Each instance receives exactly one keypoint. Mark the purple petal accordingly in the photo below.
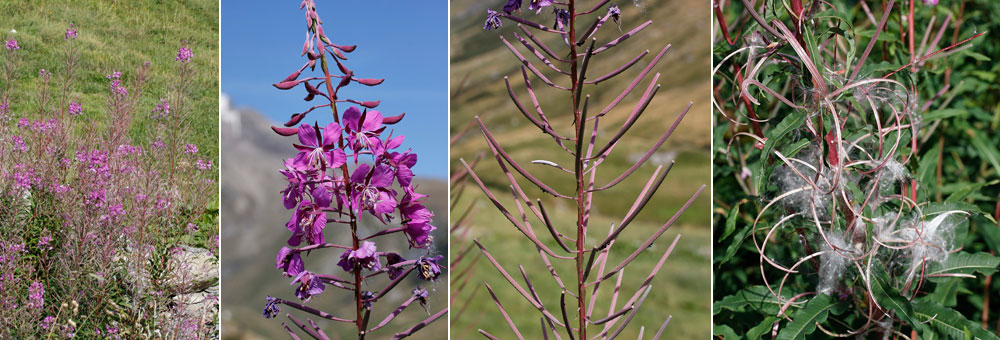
(307, 135)
(337, 158)
(404, 175)
(366, 250)
(282, 259)
(351, 117)
(322, 196)
(386, 203)
(373, 121)
(301, 161)
(344, 262)
(407, 159)
(316, 236)
(360, 173)
(382, 176)
(395, 142)
(330, 134)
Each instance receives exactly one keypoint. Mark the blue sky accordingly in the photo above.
(404, 42)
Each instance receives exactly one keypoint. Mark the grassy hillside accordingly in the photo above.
(120, 36)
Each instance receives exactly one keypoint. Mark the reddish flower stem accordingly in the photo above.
(722, 22)
(355, 242)
(581, 190)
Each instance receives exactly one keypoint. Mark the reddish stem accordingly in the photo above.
(909, 23)
(746, 103)
(358, 300)
(581, 191)
(722, 22)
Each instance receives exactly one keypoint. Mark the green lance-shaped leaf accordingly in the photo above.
(755, 298)
(948, 322)
(987, 150)
(966, 263)
(888, 297)
(791, 122)
(804, 320)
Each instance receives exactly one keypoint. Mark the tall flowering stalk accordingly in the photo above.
(588, 252)
(343, 171)
(822, 142)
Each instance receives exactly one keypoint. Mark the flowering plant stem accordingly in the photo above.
(587, 260)
(323, 189)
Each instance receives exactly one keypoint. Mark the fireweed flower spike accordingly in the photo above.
(70, 32)
(577, 136)
(11, 45)
(184, 55)
(324, 192)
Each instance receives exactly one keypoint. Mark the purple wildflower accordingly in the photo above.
(47, 322)
(203, 164)
(428, 267)
(309, 219)
(290, 262)
(364, 257)
(111, 329)
(537, 5)
(68, 331)
(190, 148)
(271, 308)
(45, 242)
(562, 17)
(70, 32)
(309, 285)
(512, 6)
(421, 295)
(162, 110)
(492, 20)
(417, 219)
(296, 184)
(116, 84)
(616, 14)
(363, 129)
(36, 296)
(184, 55)
(74, 109)
(376, 196)
(930, 2)
(12, 45)
(319, 150)
(403, 162)
(19, 144)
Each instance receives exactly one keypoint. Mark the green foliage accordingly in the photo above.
(955, 163)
